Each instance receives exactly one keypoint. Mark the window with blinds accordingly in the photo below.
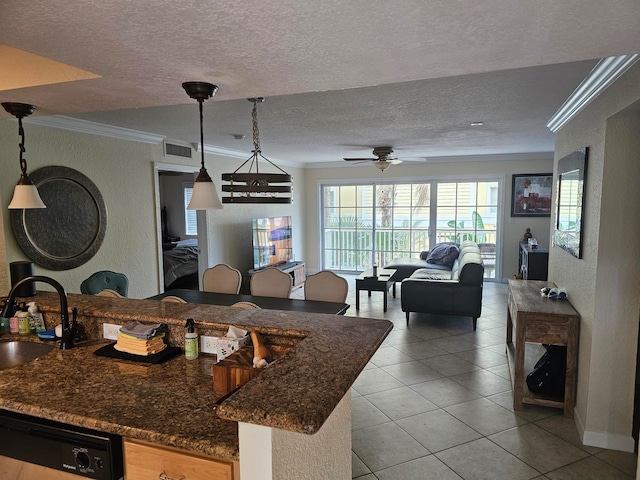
(190, 220)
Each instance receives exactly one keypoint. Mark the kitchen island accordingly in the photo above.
(170, 404)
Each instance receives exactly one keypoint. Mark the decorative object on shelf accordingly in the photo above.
(531, 195)
(71, 229)
(26, 193)
(572, 171)
(527, 235)
(204, 195)
(256, 187)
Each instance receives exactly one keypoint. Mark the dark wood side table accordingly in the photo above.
(537, 319)
(534, 262)
(381, 283)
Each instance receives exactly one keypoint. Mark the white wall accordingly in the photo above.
(271, 454)
(473, 168)
(123, 172)
(603, 286)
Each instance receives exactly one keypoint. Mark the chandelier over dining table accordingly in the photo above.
(255, 186)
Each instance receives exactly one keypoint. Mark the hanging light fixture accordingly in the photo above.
(256, 187)
(25, 194)
(204, 196)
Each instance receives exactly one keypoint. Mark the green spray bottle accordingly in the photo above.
(190, 340)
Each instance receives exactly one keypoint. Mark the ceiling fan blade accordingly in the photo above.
(414, 159)
(359, 159)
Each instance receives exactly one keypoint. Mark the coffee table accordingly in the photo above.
(381, 283)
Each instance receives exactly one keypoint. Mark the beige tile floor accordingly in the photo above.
(435, 401)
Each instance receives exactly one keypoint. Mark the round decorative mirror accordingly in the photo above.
(71, 229)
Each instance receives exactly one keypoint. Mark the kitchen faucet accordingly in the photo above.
(69, 329)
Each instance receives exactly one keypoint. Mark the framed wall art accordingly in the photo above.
(71, 229)
(531, 195)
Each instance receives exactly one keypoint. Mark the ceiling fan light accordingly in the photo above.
(382, 165)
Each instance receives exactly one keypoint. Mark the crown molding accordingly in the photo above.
(93, 128)
(599, 79)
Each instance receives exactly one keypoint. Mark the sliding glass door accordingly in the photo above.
(373, 223)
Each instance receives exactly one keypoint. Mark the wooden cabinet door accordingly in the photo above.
(148, 462)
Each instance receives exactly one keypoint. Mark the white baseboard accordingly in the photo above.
(610, 441)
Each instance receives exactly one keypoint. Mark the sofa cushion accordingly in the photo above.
(443, 254)
(432, 274)
(404, 267)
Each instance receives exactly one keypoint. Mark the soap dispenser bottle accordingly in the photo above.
(190, 340)
(24, 322)
(38, 320)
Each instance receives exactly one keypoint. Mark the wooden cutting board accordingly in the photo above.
(237, 369)
(234, 371)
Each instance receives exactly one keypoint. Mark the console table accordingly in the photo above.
(295, 269)
(537, 319)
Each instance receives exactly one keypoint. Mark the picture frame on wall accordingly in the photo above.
(531, 195)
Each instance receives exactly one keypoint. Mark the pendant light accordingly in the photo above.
(256, 187)
(204, 196)
(25, 194)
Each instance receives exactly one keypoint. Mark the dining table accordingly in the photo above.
(268, 303)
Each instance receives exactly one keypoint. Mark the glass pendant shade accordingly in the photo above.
(204, 196)
(382, 165)
(25, 195)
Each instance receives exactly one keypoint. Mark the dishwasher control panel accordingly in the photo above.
(76, 450)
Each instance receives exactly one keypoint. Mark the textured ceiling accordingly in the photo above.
(340, 77)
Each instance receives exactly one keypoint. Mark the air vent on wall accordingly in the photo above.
(177, 150)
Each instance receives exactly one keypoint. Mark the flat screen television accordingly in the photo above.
(272, 243)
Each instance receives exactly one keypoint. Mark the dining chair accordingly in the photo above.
(107, 292)
(326, 286)
(245, 305)
(222, 279)
(173, 299)
(271, 282)
(105, 280)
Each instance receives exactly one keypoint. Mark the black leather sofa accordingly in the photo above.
(455, 291)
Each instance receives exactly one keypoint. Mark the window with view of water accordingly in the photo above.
(370, 224)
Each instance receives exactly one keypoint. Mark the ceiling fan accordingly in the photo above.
(383, 160)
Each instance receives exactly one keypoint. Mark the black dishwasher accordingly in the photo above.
(76, 450)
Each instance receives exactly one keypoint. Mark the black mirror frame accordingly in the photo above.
(571, 241)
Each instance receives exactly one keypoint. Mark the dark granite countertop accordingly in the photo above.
(171, 403)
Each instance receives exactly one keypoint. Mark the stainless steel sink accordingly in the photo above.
(16, 353)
